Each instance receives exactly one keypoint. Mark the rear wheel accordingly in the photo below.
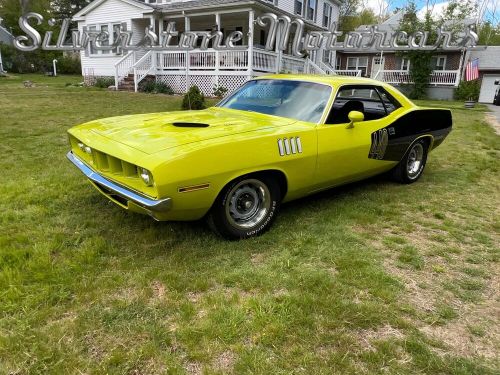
(411, 167)
(245, 208)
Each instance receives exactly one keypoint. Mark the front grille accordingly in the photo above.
(110, 164)
(106, 163)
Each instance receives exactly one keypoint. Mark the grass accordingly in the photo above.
(370, 278)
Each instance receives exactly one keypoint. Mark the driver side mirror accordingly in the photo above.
(497, 82)
(355, 116)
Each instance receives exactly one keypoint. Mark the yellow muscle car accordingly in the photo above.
(275, 139)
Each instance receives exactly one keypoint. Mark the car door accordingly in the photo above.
(345, 151)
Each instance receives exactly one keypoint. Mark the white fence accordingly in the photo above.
(437, 78)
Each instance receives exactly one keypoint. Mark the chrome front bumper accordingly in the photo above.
(152, 206)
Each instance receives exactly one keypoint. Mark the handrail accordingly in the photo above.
(326, 68)
(142, 68)
(312, 68)
(123, 67)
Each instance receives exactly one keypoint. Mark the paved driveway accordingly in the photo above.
(493, 117)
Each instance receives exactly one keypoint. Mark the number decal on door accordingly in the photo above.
(380, 140)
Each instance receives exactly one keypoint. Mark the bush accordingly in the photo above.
(220, 91)
(104, 82)
(468, 90)
(150, 86)
(69, 65)
(194, 99)
(147, 85)
(38, 61)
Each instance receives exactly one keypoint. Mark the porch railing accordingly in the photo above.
(312, 68)
(292, 64)
(142, 68)
(124, 67)
(437, 78)
(351, 73)
(265, 61)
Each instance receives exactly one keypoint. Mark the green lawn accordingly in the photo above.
(370, 278)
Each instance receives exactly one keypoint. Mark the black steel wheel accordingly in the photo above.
(245, 208)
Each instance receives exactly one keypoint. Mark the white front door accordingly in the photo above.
(377, 66)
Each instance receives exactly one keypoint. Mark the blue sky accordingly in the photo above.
(491, 11)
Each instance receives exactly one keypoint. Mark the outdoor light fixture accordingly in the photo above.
(146, 176)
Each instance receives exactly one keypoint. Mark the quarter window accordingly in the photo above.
(374, 102)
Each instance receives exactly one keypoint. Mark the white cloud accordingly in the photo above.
(436, 9)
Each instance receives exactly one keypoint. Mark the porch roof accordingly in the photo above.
(96, 3)
(210, 5)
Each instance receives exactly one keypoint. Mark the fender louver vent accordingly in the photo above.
(190, 125)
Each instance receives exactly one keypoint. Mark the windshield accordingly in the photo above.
(304, 101)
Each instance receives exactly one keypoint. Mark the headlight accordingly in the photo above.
(146, 176)
(88, 150)
(81, 146)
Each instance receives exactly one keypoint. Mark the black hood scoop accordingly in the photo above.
(190, 125)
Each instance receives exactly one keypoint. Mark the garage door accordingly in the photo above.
(488, 88)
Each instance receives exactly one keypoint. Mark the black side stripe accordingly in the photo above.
(392, 142)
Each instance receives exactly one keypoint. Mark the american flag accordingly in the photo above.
(472, 70)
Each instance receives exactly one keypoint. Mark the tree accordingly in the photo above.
(420, 61)
(489, 35)
(67, 8)
(11, 10)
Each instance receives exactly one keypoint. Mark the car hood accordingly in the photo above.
(154, 132)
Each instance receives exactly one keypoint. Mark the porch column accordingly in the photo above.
(279, 53)
(217, 54)
(187, 27)
(251, 16)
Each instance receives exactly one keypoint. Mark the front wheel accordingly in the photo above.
(245, 208)
(411, 167)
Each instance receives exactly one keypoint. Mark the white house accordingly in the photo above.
(204, 68)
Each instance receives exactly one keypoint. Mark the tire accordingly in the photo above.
(245, 208)
(411, 167)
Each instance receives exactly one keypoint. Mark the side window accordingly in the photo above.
(362, 98)
(390, 103)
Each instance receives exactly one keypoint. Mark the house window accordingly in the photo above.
(299, 6)
(438, 62)
(327, 14)
(113, 30)
(358, 63)
(311, 10)
(405, 64)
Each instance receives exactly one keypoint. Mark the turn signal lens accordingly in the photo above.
(146, 176)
